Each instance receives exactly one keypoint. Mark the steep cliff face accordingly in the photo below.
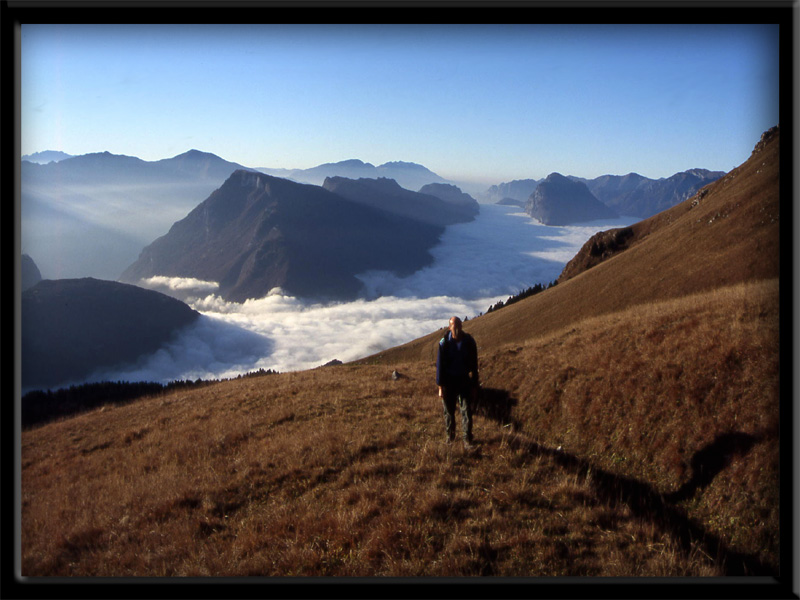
(258, 232)
(560, 201)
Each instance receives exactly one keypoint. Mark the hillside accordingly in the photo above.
(728, 233)
(257, 232)
(628, 426)
(575, 454)
(73, 327)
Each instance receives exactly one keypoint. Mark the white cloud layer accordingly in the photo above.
(476, 264)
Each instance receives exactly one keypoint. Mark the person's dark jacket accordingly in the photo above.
(454, 365)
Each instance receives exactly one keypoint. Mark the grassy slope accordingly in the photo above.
(621, 433)
(726, 234)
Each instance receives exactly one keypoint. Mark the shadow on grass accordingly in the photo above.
(645, 502)
(496, 405)
(710, 460)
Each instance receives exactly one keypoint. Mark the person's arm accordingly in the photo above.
(474, 361)
(439, 368)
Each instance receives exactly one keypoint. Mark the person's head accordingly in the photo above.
(455, 327)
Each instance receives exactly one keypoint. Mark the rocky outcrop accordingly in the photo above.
(559, 200)
(598, 248)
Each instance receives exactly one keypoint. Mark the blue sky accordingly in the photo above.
(471, 102)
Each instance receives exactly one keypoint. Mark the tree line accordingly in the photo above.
(43, 406)
(526, 293)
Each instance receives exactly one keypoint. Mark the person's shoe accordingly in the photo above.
(469, 445)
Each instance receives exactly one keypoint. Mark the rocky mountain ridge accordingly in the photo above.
(409, 175)
(258, 232)
(628, 195)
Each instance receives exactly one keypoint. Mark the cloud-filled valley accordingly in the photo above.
(476, 264)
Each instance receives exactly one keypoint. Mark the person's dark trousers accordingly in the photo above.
(459, 394)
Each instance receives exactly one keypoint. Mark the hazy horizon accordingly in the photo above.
(485, 103)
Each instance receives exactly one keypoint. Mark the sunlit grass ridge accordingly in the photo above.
(617, 438)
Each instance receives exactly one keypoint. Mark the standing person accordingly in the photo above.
(457, 378)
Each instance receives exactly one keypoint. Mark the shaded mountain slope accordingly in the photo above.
(257, 232)
(519, 189)
(386, 194)
(452, 195)
(71, 327)
(91, 215)
(728, 233)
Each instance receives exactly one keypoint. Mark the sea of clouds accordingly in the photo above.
(476, 264)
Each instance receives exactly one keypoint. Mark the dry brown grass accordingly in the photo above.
(628, 427)
(343, 471)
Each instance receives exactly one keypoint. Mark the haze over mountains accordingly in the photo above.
(91, 215)
(632, 194)
(409, 175)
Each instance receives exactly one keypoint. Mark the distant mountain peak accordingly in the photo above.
(46, 156)
(399, 164)
(351, 162)
(194, 153)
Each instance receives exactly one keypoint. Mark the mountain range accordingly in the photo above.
(46, 156)
(409, 175)
(258, 232)
(630, 195)
(446, 208)
(91, 215)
